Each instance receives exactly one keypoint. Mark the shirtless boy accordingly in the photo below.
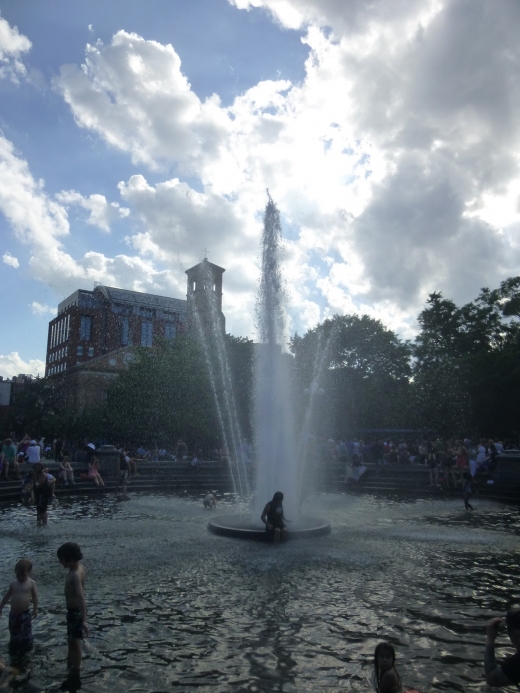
(69, 555)
(21, 592)
(507, 672)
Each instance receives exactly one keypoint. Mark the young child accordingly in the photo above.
(69, 555)
(210, 502)
(466, 489)
(43, 493)
(21, 592)
(386, 678)
(26, 494)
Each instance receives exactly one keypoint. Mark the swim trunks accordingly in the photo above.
(75, 624)
(20, 629)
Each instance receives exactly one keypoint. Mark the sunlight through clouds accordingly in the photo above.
(392, 160)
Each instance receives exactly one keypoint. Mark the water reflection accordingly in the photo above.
(171, 606)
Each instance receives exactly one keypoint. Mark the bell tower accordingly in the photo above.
(204, 293)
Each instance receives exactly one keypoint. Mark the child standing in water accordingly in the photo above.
(21, 592)
(466, 489)
(69, 555)
(386, 678)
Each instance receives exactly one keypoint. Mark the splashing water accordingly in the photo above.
(277, 467)
(207, 321)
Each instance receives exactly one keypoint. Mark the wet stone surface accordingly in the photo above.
(174, 607)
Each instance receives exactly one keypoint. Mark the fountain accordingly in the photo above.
(170, 608)
(278, 463)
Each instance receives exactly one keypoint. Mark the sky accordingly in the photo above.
(136, 137)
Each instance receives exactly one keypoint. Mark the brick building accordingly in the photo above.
(90, 324)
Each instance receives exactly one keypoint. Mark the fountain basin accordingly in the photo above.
(243, 527)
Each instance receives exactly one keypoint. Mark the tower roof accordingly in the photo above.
(140, 298)
(205, 263)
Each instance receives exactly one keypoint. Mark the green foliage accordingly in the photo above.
(466, 371)
(364, 369)
(165, 393)
(460, 376)
(240, 357)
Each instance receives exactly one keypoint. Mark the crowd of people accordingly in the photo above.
(449, 461)
(25, 462)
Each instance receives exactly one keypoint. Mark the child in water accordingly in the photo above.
(386, 678)
(69, 555)
(21, 593)
(466, 489)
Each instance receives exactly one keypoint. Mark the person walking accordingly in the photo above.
(466, 489)
(9, 453)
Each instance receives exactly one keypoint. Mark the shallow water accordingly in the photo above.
(173, 607)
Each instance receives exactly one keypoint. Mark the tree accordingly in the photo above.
(165, 393)
(466, 363)
(364, 368)
(240, 357)
(440, 384)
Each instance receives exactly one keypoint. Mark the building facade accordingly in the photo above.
(90, 324)
(93, 336)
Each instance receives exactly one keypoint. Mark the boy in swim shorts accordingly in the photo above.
(69, 555)
(21, 592)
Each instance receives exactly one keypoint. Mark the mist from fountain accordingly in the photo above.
(276, 450)
(278, 456)
(211, 337)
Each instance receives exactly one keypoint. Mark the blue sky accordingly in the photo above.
(133, 134)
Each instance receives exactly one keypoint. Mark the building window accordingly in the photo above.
(169, 330)
(146, 334)
(79, 351)
(91, 352)
(84, 328)
(124, 331)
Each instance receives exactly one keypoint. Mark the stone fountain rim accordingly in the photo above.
(233, 526)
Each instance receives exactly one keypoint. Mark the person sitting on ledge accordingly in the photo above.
(65, 472)
(272, 517)
(508, 672)
(93, 472)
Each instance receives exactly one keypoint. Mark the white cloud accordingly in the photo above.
(12, 45)
(10, 260)
(394, 162)
(42, 223)
(41, 309)
(12, 364)
(133, 93)
(101, 213)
